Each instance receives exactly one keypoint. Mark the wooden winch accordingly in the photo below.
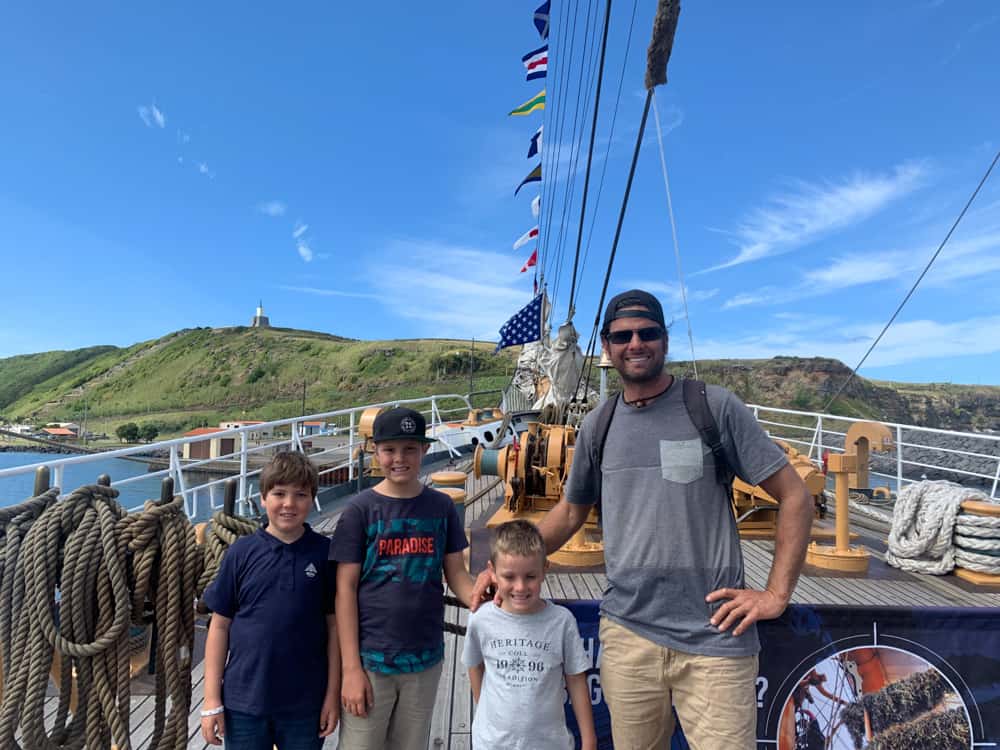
(757, 511)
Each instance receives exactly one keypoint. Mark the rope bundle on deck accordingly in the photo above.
(166, 564)
(76, 573)
(931, 534)
(220, 534)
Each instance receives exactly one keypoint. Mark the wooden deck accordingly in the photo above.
(452, 720)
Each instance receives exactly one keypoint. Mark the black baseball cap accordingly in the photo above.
(619, 304)
(400, 424)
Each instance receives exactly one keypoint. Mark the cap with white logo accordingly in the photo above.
(400, 424)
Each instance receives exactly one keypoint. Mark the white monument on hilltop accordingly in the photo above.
(260, 320)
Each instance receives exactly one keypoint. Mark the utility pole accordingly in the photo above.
(472, 362)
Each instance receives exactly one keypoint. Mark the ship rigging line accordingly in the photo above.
(916, 283)
(590, 157)
(564, 65)
(611, 137)
(587, 66)
(618, 232)
(673, 229)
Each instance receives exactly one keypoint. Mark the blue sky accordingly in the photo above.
(167, 166)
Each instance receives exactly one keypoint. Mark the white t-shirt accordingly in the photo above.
(521, 702)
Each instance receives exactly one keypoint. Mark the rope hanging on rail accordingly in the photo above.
(76, 573)
(220, 533)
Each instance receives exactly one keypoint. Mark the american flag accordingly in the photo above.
(525, 326)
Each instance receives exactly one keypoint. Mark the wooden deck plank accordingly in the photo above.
(441, 719)
(461, 694)
(142, 719)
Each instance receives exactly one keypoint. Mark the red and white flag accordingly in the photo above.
(531, 261)
(536, 63)
(527, 237)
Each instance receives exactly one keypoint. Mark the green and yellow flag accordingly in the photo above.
(535, 102)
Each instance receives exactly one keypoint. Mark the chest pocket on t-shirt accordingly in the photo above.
(681, 461)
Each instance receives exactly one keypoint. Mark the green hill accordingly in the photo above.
(18, 375)
(202, 375)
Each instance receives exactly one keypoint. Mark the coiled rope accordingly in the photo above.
(76, 573)
(931, 534)
(166, 564)
(220, 533)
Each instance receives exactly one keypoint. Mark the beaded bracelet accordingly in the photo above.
(213, 711)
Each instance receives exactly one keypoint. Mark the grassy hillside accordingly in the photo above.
(19, 375)
(202, 375)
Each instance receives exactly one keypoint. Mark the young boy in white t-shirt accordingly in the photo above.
(519, 652)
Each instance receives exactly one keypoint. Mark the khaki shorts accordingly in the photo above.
(714, 696)
(400, 717)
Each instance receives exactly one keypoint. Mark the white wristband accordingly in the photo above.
(213, 711)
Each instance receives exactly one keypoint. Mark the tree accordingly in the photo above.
(128, 432)
(148, 433)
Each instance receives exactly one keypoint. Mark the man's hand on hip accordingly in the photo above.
(745, 607)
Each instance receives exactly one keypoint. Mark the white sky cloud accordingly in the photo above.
(464, 292)
(305, 251)
(272, 208)
(974, 256)
(812, 210)
(327, 292)
(904, 343)
(669, 294)
(300, 229)
(152, 116)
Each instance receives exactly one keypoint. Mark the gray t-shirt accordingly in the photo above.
(521, 702)
(669, 533)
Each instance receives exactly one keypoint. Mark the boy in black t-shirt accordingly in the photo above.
(272, 664)
(391, 544)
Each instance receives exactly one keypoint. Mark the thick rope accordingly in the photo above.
(923, 536)
(71, 555)
(167, 563)
(220, 534)
(83, 571)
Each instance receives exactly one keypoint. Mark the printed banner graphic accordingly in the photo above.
(851, 678)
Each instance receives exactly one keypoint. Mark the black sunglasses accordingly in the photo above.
(652, 333)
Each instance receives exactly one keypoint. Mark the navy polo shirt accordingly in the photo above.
(277, 596)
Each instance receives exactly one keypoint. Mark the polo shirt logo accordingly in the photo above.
(311, 570)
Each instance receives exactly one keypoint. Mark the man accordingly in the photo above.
(677, 624)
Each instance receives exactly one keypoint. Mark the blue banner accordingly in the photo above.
(846, 678)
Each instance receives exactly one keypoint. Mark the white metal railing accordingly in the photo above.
(189, 475)
(978, 462)
(964, 457)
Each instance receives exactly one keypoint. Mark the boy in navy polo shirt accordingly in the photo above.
(391, 544)
(272, 605)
